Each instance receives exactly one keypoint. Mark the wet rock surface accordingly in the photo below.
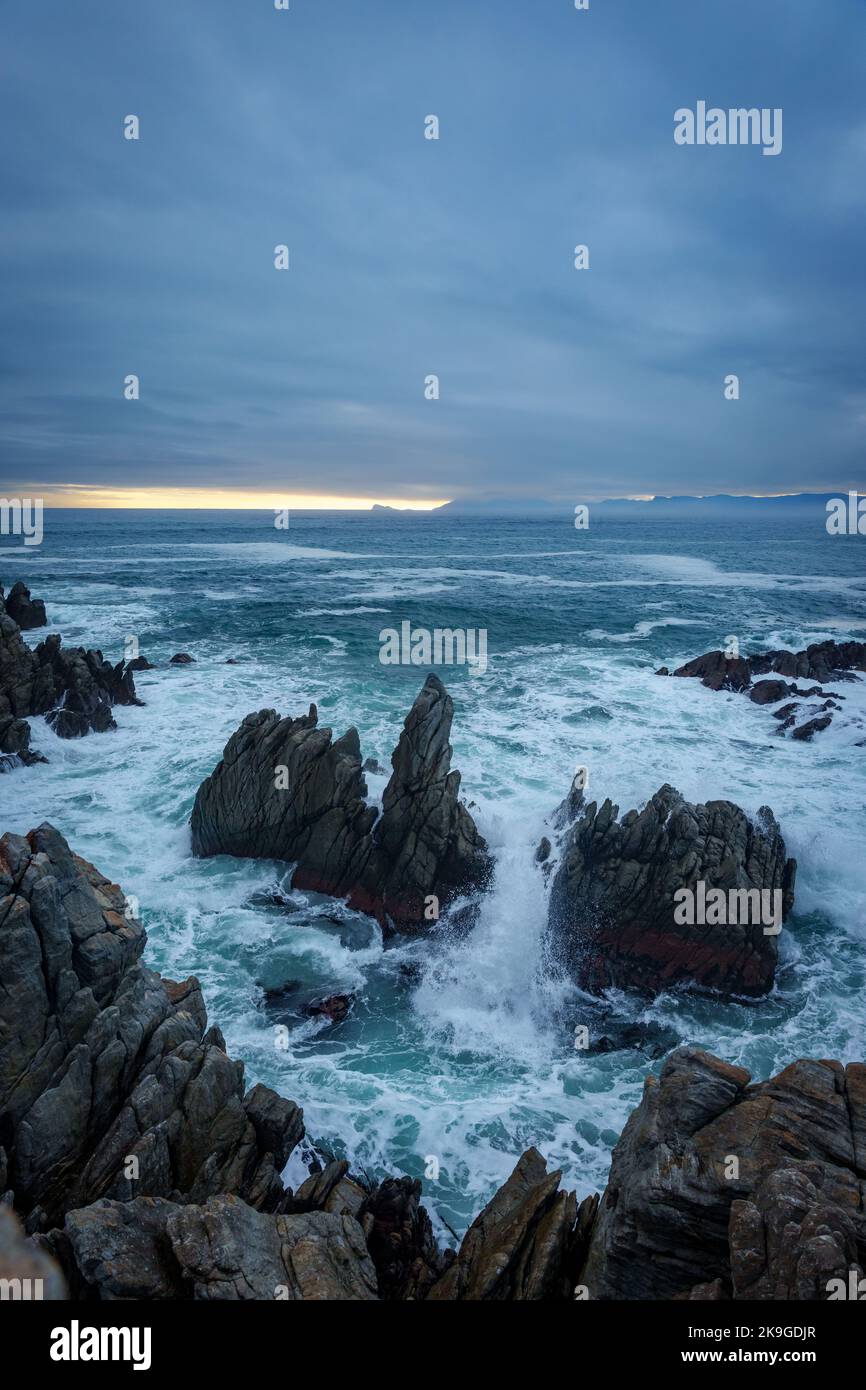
(612, 905)
(15, 750)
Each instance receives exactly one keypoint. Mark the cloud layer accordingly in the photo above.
(411, 257)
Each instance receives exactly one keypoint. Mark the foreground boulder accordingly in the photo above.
(286, 790)
(614, 917)
(110, 1085)
(719, 1188)
(27, 612)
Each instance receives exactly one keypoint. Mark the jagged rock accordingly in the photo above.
(425, 840)
(678, 1212)
(821, 662)
(27, 1272)
(221, 1250)
(181, 659)
(525, 1245)
(572, 805)
(140, 663)
(27, 612)
(400, 1240)
(285, 790)
(804, 732)
(75, 689)
(612, 907)
(103, 1062)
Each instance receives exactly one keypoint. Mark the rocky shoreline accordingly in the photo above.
(138, 1166)
(135, 1163)
(73, 688)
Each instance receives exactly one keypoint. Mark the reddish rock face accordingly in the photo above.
(613, 907)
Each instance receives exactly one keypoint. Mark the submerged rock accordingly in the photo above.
(821, 662)
(335, 1007)
(652, 1039)
(286, 790)
(612, 917)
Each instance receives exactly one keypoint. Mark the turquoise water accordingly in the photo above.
(458, 1047)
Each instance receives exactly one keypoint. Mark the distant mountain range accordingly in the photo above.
(723, 506)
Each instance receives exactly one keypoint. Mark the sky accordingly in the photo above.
(411, 257)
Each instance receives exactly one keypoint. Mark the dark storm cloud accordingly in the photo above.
(412, 257)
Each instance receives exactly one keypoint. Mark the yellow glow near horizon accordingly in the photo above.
(216, 499)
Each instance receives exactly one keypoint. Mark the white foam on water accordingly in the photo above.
(453, 1048)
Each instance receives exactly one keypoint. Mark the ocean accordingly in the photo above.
(459, 1047)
